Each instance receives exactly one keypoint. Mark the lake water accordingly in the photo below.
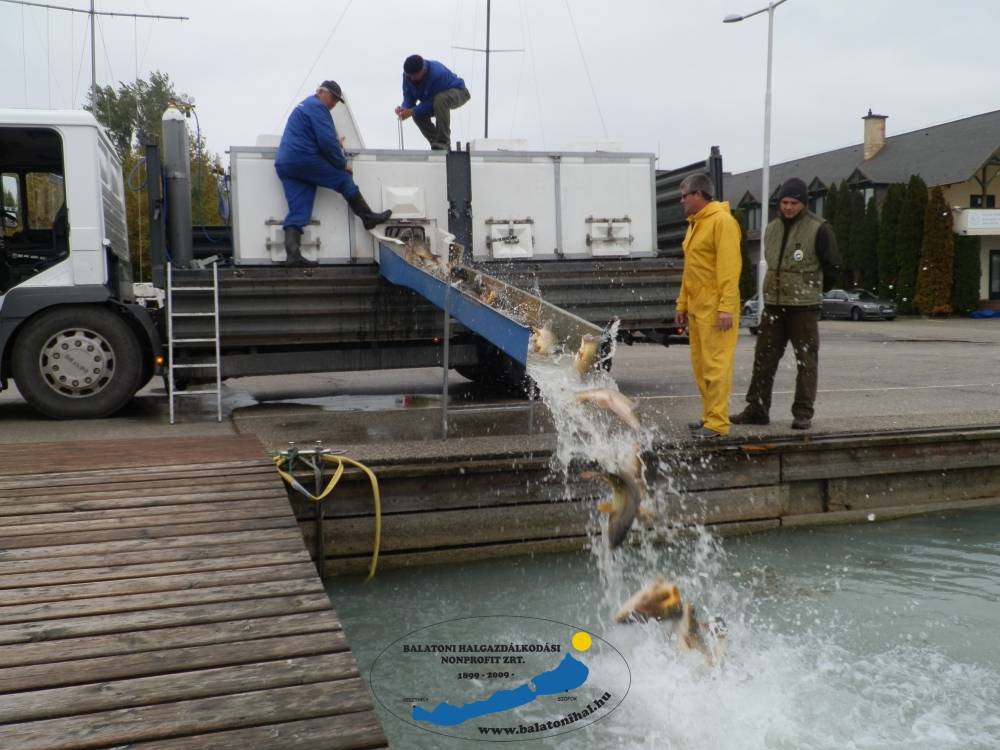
(877, 636)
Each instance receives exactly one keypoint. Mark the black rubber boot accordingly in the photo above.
(363, 211)
(293, 248)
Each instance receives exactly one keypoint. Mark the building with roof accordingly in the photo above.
(962, 157)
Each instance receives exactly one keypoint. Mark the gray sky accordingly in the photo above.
(669, 76)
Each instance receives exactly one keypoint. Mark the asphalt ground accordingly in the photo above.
(874, 376)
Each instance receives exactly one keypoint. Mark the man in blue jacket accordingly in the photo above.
(430, 88)
(310, 156)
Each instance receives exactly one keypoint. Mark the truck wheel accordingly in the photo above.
(77, 363)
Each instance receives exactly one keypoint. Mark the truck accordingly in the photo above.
(577, 227)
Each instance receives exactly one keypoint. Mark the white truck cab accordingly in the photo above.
(70, 334)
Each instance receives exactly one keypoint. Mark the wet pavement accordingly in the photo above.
(874, 376)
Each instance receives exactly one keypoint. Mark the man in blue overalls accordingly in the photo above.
(429, 88)
(310, 156)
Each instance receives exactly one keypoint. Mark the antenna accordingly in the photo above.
(488, 51)
(93, 14)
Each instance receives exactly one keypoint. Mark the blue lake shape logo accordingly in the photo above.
(569, 675)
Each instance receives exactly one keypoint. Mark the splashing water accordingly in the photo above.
(874, 636)
(588, 436)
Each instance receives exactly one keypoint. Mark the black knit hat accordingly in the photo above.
(413, 65)
(334, 88)
(794, 188)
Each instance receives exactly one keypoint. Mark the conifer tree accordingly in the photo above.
(869, 247)
(841, 224)
(888, 270)
(909, 236)
(830, 210)
(965, 291)
(937, 258)
(855, 274)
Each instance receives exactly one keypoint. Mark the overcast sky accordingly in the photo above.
(661, 76)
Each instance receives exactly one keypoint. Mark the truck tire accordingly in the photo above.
(98, 377)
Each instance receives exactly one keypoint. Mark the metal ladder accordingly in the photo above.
(171, 341)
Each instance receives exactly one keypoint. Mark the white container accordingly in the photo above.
(525, 205)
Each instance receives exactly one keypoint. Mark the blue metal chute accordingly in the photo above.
(505, 333)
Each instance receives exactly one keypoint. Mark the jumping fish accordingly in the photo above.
(614, 401)
(688, 632)
(586, 355)
(657, 600)
(542, 340)
(660, 600)
(627, 491)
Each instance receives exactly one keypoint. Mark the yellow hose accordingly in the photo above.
(280, 461)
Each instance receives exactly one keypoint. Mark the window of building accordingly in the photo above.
(817, 202)
(976, 201)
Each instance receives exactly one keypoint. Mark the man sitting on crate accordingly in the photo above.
(310, 156)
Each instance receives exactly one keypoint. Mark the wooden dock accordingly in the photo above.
(158, 594)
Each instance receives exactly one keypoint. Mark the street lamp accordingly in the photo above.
(766, 166)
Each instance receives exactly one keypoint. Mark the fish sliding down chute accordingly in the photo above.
(501, 313)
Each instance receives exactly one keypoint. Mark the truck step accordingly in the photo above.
(192, 315)
(205, 365)
(194, 341)
(210, 391)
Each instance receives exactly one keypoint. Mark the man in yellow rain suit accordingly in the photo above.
(709, 300)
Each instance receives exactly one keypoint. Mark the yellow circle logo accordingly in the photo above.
(581, 641)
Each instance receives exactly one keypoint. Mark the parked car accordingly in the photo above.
(857, 304)
(748, 315)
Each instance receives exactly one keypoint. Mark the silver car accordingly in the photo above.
(856, 304)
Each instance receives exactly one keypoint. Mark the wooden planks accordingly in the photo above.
(153, 594)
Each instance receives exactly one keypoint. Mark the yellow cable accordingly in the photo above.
(280, 461)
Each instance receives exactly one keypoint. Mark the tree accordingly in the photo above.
(841, 223)
(748, 271)
(132, 115)
(869, 246)
(937, 258)
(831, 211)
(888, 269)
(965, 290)
(856, 243)
(909, 237)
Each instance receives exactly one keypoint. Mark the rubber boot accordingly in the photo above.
(293, 248)
(368, 217)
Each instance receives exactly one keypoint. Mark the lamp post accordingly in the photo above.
(766, 164)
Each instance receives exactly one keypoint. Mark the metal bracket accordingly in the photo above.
(510, 238)
(591, 239)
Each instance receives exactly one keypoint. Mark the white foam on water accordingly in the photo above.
(783, 684)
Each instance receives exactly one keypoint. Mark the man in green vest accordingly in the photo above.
(801, 252)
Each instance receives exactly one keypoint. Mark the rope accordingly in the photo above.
(534, 73)
(586, 69)
(333, 31)
(281, 461)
